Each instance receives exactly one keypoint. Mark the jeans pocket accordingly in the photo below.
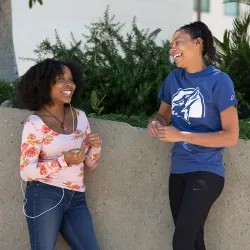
(30, 184)
(37, 189)
(41, 198)
(80, 198)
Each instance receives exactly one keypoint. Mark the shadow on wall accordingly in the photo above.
(128, 192)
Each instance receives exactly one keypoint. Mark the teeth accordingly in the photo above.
(177, 56)
(67, 92)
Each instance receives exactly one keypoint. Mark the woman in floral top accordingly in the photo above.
(56, 147)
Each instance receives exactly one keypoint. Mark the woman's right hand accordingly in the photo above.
(74, 157)
(152, 127)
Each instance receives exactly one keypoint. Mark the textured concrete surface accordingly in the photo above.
(128, 192)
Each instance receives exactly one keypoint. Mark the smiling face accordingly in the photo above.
(184, 49)
(64, 87)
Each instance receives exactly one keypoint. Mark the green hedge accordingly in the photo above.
(126, 70)
(142, 121)
(123, 73)
(7, 91)
(245, 129)
(233, 58)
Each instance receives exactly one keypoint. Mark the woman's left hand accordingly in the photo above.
(94, 140)
(169, 134)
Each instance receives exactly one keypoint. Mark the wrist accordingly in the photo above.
(59, 164)
(185, 136)
(98, 145)
(161, 119)
(62, 163)
(154, 119)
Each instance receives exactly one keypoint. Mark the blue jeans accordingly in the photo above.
(71, 218)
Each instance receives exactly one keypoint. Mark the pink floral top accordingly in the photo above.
(42, 154)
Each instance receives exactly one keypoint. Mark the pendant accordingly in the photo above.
(63, 126)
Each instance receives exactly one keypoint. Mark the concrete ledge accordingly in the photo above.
(128, 192)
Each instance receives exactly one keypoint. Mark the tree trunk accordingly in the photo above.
(8, 66)
(198, 10)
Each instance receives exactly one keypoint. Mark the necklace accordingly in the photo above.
(63, 125)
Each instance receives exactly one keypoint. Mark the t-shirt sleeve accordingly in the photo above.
(165, 91)
(224, 93)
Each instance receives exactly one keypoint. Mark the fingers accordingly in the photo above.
(92, 136)
(161, 130)
(96, 144)
(80, 153)
(80, 157)
(94, 140)
(161, 133)
(151, 131)
(74, 151)
(75, 156)
(152, 128)
(164, 139)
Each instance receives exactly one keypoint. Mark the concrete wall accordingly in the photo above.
(128, 192)
(31, 27)
(216, 20)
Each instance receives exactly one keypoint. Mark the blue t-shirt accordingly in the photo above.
(197, 100)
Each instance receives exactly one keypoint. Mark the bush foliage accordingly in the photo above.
(127, 69)
(234, 59)
(124, 71)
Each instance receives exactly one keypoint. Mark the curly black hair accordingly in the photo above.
(199, 29)
(33, 88)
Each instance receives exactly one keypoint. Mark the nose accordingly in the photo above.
(69, 83)
(172, 50)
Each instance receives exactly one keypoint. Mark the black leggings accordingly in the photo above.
(191, 197)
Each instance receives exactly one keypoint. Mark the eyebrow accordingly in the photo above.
(63, 75)
(67, 74)
(177, 38)
(174, 40)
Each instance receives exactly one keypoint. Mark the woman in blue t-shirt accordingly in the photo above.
(200, 101)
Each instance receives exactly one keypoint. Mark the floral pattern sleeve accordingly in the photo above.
(92, 154)
(31, 167)
(92, 158)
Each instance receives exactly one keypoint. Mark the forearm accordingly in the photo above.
(222, 138)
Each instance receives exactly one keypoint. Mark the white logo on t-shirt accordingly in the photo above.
(188, 103)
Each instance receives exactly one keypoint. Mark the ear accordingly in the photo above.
(199, 41)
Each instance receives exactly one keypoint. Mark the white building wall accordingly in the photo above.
(216, 20)
(30, 27)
